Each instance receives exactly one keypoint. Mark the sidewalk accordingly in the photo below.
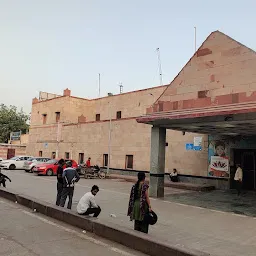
(215, 232)
(179, 185)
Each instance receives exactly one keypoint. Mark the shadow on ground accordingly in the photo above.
(227, 201)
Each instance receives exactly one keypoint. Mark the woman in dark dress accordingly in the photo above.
(139, 203)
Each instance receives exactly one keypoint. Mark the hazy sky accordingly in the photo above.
(48, 45)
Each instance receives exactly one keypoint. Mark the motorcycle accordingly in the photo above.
(94, 172)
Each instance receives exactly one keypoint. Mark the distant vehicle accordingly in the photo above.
(33, 161)
(1, 159)
(16, 162)
(50, 168)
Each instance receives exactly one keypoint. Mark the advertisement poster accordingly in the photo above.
(219, 166)
(198, 143)
(218, 158)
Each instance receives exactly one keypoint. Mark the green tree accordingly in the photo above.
(12, 120)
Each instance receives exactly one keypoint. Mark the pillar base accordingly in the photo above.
(156, 188)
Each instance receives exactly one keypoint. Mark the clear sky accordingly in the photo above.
(49, 45)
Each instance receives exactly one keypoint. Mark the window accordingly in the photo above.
(44, 118)
(53, 155)
(40, 153)
(57, 116)
(129, 162)
(66, 155)
(81, 158)
(118, 115)
(97, 117)
(105, 160)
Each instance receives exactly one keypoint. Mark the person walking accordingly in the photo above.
(87, 204)
(239, 179)
(139, 204)
(3, 179)
(59, 180)
(70, 177)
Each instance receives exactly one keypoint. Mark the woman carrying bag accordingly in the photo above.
(139, 204)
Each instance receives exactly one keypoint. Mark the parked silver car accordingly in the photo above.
(33, 161)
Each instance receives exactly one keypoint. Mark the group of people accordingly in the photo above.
(66, 179)
(139, 203)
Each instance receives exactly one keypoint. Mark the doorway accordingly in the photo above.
(247, 158)
(10, 153)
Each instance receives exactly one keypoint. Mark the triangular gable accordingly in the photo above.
(222, 71)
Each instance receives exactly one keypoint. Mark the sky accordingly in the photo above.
(50, 45)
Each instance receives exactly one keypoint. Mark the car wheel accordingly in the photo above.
(82, 171)
(12, 167)
(49, 172)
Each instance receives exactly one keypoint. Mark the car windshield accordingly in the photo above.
(31, 159)
(14, 158)
(52, 161)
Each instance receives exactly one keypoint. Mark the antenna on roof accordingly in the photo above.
(121, 87)
(99, 84)
(159, 66)
(195, 39)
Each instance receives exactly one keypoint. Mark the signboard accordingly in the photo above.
(219, 166)
(46, 145)
(189, 146)
(198, 143)
(15, 135)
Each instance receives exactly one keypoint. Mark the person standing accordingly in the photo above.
(70, 177)
(3, 179)
(239, 179)
(139, 204)
(59, 180)
(87, 204)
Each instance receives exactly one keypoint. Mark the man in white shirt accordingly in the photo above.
(239, 179)
(87, 204)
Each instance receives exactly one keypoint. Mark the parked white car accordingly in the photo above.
(16, 162)
(33, 161)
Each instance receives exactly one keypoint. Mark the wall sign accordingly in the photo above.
(189, 146)
(198, 143)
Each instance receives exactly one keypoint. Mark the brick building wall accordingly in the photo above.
(90, 137)
(221, 72)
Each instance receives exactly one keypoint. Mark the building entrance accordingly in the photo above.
(246, 157)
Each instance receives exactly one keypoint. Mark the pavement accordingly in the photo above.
(25, 233)
(210, 230)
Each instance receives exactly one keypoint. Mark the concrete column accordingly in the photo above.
(157, 161)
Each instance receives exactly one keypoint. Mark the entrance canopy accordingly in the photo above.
(229, 120)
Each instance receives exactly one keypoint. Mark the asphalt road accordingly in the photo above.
(25, 233)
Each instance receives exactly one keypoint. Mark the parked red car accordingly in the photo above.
(50, 168)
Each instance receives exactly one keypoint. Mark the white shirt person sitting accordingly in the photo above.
(87, 204)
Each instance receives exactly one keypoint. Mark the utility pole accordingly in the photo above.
(159, 66)
(58, 138)
(109, 134)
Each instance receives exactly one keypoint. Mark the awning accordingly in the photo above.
(232, 119)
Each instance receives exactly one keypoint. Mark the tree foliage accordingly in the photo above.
(11, 120)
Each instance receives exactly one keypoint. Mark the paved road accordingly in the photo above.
(215, 232)
(25, 233)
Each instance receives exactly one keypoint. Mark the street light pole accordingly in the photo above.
(109, 135)
(58, 139)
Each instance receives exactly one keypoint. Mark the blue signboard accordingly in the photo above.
(189, 146)
(197, 148)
